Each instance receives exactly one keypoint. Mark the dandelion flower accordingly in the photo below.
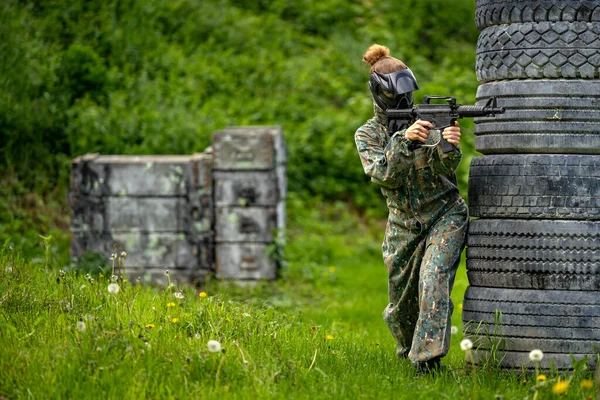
(536, 355)
(332, 269)
(175, 320)
(149, 326)
(179, 295)
(113, 288)
(329, 337)
(171, 304)
(466, 345)
(80, 326)
(203, 294)
(541, 378)
(560, 387)
(213, 346)
(453, 330)
(587, 384)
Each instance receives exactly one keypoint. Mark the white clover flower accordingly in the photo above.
(113, 288)
(80, 326)
(466, 345)
(213, 346)
(536, 355)
(453, 330)
(179, 295)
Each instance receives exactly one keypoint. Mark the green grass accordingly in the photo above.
(315, 333)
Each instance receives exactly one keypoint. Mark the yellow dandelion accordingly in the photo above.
(100, 276)
(125, 281)
(560, 387)
(171, 304)
(587, 384)
(203, 294)
(541, 378)
(329, 337)
(175, 320)
(149, 326)
(332, 269)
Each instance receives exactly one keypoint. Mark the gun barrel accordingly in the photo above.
(479, 111)
(408, 113)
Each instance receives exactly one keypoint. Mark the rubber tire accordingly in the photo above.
(538, 50)
(535, 186)
(541, 116)
(497, 12)
(553, 321)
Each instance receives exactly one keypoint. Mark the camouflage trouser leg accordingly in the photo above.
(420, 306)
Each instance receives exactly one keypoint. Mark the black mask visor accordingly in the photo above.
(400, 84)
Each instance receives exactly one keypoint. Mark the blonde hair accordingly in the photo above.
(378, 57)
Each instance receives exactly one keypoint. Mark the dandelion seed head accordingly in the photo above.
(123, 254)
(453, 330)
(213, 346)
(113, 288)
(166, 272)
(81, 326)
(536, 355)
(466, 345)
(179, 295)
(8, 269)
(148, 345)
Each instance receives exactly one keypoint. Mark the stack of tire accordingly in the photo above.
(534, 250)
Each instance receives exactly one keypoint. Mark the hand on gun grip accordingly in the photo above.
(419, 131)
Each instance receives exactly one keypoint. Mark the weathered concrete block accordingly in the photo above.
(245, 224)
(120, 175)
(249, 148)
(246, 188)
(244, 261)
(160, 250)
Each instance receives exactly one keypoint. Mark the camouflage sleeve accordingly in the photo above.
(387, 162)
(444, 163)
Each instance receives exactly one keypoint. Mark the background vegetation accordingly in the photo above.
(159, 76)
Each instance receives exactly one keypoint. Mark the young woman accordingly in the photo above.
(427, 221)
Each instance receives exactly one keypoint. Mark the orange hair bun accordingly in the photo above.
(374, 53)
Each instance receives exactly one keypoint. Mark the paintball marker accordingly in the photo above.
(441, 115)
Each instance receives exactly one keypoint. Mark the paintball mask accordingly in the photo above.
(393, 91)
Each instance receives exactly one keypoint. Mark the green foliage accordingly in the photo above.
(158, 77)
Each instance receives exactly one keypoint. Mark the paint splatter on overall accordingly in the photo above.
(424, 237)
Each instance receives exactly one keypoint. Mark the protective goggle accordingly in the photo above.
(393, 91)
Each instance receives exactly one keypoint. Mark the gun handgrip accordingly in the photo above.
(447, 147)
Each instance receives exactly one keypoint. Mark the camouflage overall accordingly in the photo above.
(424, 237)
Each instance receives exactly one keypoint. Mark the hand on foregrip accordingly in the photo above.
(419, 131)
(452, 134)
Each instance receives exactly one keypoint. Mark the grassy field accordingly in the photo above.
(315, 333)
